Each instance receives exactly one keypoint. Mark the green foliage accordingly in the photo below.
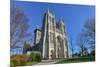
(35, 57)
(11, 64)
(22, 60)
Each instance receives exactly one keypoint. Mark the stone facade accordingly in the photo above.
(53, 39)
(37, 40)
(37, 37)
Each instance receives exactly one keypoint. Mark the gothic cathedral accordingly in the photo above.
(52, 38)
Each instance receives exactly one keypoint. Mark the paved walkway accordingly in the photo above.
(48, 62)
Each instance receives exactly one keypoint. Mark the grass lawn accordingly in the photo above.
(31, 63)
(77, 60)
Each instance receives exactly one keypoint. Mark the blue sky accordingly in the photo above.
(74, 16)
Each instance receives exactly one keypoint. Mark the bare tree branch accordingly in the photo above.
(18, 25)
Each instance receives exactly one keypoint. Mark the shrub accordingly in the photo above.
(35, 57)
(11, 64)
(19, 60)
(38, 57)
(24, 59)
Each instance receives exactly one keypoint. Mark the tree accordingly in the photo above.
(71, 46)
(89, 32)
(87, 36)
(81, 44)
(27, 47)
(18, 26)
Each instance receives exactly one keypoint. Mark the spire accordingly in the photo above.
(48, 10)
(61, 21)
(36, 26)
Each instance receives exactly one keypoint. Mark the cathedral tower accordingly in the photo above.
(54, 43)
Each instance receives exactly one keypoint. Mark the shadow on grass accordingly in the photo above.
(77, 60)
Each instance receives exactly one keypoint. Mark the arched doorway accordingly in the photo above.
(60, 47)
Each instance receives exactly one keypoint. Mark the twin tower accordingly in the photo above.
(53, 39)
